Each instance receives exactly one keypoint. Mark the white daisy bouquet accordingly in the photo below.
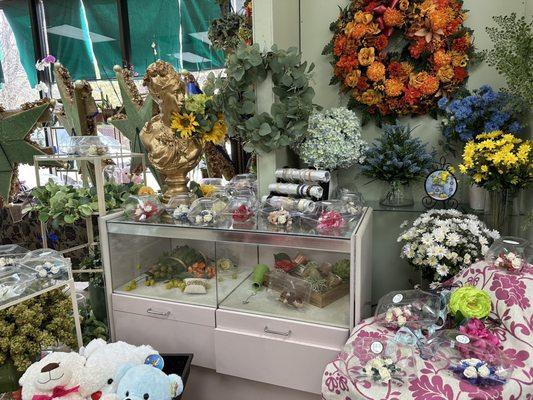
(333, 140)
(440, 243)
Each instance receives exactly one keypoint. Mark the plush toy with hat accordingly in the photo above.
(55, 377)
(146, 382)
(98, 378)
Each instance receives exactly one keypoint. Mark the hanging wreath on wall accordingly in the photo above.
(399, 57)
(247, 68)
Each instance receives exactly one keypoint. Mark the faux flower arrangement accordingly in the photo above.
(333, 140)
(396, 317)
(41, 322)
(469, 302)
(481, 341)
(399, 57)
(498, 160)
(381, 369)
(477, 372)
(198, 117)
(397, 157)
(482, 111)
(511, 262)
(442, 242)
(281, 218)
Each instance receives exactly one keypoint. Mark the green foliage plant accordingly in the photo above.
(287, 121)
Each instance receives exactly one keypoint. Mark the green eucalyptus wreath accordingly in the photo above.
(248, 67)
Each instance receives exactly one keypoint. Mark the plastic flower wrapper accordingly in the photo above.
(450, 350)
(414, 309)
(49, 264)
(9, 254)
(206, 212)
(90, 146)
(481, 338)
(509, 253)
(469, 302)
(143, 208)
(380, 361)
(277, 218)
(243, 183)
(241, 211)
(179, 207)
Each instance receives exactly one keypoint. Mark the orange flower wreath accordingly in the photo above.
(399, 57)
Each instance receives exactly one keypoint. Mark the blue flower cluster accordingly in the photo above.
(483, 111)
(396, 156)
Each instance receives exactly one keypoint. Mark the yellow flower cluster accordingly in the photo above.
(497, 160)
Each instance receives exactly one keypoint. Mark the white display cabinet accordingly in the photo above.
(232, 325)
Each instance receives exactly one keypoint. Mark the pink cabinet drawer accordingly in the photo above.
(271, 360)
(159, 309)
(167, 336)
(278, 328)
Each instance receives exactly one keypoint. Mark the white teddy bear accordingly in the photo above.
(98, 378)
(56, 376)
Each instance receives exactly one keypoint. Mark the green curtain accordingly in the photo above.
(158, 22)
(17, 14)
(84, 36)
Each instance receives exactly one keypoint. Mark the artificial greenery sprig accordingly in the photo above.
(512, 53)
(287, 121)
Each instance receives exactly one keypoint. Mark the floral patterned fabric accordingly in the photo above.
(511, 297)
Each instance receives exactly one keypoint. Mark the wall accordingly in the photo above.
(315, 17)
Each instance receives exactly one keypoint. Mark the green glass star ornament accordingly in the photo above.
(137, 113)
(15, 148)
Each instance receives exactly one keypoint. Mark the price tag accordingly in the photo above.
(462, 339)
(397, 298)
(376, 347)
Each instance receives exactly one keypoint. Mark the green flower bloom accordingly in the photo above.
(197, 103)
(470, 302)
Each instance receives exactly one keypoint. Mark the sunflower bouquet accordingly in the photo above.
(199, 118)
(498, 161)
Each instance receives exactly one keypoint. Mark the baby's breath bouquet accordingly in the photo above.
(27, 327)
(333, 140)
(442, 242)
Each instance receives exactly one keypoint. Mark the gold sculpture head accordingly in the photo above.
(165, 86)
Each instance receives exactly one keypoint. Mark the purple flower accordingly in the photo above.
(49, 59)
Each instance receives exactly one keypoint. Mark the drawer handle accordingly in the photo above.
(165, 314)
(286, 334)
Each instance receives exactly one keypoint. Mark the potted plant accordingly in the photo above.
(398, 159)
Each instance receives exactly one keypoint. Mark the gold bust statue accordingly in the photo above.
(171, 155)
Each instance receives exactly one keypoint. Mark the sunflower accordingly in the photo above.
(217, 134)
(185, 124)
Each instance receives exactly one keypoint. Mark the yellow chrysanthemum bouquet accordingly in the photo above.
(498, 161)
(199, 118)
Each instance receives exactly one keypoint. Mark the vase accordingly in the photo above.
(477, 197)
(9, 377)
(397, 194)
(500, 210)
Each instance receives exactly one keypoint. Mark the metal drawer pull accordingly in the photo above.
(159, 313)
(287, 334)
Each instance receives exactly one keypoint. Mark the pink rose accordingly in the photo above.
(474, 327)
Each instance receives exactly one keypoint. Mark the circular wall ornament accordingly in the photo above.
(441, 185)
(399, 57)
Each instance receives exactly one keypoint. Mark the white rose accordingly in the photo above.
(388, 361)
(198, 219)
(470, 372)
(483, 371)
(384, 373)
(472, 361)
(42, 273)
(282, 219)
(208, 218)
(388, 315)
(516, 263)
(397, 311)
(54, 269)
(467, 259)
(401, 320)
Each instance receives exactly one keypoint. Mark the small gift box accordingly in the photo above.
(179, 207)
(206, 211)
(508, 253)
(143, 208)
(414, 309)
(460, 354)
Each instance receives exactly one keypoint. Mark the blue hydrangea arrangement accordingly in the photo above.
(482, 111)
(397, 157)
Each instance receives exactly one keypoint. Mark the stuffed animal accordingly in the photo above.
(145, 382)
(55, 377)
(98, 378)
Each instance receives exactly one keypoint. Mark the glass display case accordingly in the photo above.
(237, 288)
(304, 276)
